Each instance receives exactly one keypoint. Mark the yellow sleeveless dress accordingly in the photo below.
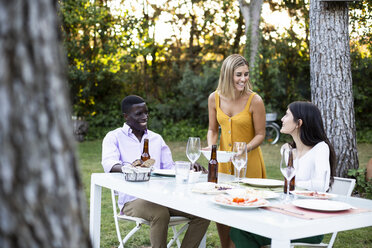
(239, 128)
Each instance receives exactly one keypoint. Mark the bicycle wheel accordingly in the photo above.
(272, 134)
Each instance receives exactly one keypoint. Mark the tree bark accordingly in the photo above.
(330, 78)
(41, 197)
(252, 14)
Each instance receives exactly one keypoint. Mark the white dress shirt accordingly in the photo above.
(313, 168)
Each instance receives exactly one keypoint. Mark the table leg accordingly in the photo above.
(275, 243)
(95, 213)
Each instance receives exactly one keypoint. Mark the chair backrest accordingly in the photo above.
(342, 186)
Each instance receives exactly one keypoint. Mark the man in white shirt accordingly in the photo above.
(124, 145)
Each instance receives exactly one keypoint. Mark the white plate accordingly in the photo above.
(322, 205)
(210, 188)
(165, 172)
(263, 203)
(222, 156)
(253, 193)
(312, 194)
(263, 182)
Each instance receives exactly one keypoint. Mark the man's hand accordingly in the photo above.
(198, 167)
(116, 168)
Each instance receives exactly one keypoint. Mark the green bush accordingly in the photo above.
(189, 99)
(362, 89)
(364, 136)
(362, 186)
(107, 117)
(180, 131)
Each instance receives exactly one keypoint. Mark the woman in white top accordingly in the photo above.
(314, 154)
(315, 167)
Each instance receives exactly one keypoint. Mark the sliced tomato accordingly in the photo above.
(238, 200)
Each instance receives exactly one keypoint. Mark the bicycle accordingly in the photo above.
(272, 129)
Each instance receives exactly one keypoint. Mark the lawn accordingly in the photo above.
(89, 160)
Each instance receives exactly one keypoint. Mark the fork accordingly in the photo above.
(287, 210)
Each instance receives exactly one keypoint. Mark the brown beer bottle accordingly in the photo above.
(213, 166)
(145, 154)
(292, 182)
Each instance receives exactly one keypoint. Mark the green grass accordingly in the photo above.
(90, 162)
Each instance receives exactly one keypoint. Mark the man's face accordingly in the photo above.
(137, 117)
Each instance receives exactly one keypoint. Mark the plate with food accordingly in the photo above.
(239, 202)
(211, 188)
(263, 182)
(322, 205)
(241, 192)
(222, 156)
(312, 194)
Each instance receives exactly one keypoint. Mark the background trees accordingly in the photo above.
(170, 53)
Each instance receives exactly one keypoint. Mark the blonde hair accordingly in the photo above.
(226, 82)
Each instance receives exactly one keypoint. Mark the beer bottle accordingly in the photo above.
(292, 182)
(145, 154)
(213, 166)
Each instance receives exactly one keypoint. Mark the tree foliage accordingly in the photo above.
(116, 51)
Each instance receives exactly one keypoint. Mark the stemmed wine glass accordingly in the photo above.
(193, 149)
(287, 171)
(240, 156)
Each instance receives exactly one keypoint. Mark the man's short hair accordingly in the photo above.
(129, 101)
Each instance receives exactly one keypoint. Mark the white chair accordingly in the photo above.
(341, 186)
(174, 221)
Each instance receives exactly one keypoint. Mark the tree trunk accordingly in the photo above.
(239, 33)
(252, 14)
(330, 78)
(41, 198)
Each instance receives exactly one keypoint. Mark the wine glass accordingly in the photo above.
(287, 171)
(240, 156)
(193, 149)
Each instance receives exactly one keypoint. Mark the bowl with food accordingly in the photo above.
(222, 156)
(138, 171)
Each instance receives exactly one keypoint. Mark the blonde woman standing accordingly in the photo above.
(241, 115)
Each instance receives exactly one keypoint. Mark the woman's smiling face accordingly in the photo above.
(241, 76)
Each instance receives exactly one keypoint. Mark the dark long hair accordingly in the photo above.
(312, 130)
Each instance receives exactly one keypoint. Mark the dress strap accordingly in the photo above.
(217, 99)
(250, 99)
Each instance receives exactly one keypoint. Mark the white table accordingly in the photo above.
(279, 227)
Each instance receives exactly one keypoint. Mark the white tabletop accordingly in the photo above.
(279, 227)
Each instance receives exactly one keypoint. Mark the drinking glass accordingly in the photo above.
(239, 158)
(193, 149)
(182, 171)
(287, 171)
